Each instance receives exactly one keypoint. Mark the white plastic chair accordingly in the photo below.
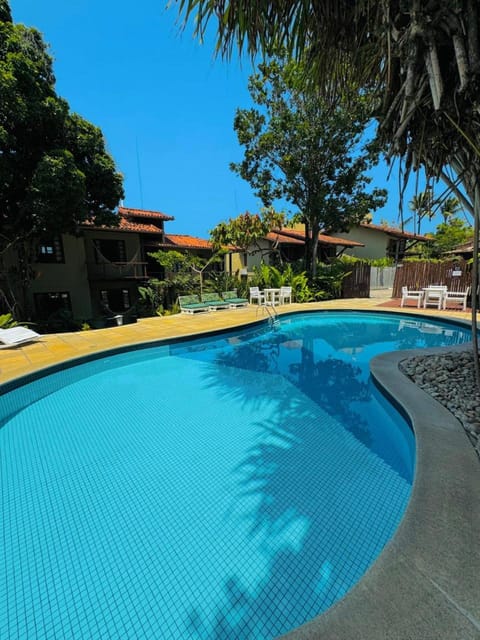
(456, 298)
(411, 295)
(285, 294)
(256, 294)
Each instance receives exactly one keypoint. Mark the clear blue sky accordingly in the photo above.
(164, 104)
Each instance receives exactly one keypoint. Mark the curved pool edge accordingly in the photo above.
(133, 338)
(424, 585)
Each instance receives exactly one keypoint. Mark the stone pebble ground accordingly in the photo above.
(450, 379)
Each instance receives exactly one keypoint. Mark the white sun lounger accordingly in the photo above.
(16, 336)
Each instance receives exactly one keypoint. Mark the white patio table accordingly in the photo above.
(434, 295)
(272, 296)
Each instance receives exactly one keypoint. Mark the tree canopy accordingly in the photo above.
(247, 230)
(55, 171)
(449, 235)
(420, 59)
(301, 148)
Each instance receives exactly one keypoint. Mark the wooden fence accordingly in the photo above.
(357, 283)
(457, 275)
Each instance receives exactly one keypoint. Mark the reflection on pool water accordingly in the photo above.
(225, 487)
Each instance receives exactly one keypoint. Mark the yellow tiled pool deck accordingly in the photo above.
(53, 349)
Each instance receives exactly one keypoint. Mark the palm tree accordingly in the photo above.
(450, 208)
(422, 206)
(420, 60)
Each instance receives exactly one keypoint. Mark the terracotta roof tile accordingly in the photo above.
(143, 213)
(279, 237)
(126, 225)
(392, 231)
(186, 242)
(293, 236)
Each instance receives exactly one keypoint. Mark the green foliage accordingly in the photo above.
(182, 267)
(327, 283)
(429, 260)
(5, 13)
(151, 298)
(245, 231)
(382, 262)
(7, 321)
(422, 205)
(300, 147)
(448, 235)
(450, 208)
(222, 281)
(55, 171)
(271, 277)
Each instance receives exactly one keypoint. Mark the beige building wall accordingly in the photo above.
(235, 263)
(241, 261)
(375, 241)
(69, 276)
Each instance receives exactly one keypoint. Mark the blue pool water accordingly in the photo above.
(223, 488)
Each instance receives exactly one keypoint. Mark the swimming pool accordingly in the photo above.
(225, 487)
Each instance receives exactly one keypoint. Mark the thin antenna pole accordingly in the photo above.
(139, 173)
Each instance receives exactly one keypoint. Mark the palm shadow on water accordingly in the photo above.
(299, 500)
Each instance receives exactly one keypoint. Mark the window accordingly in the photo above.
(110, 251)
(51, 250)
(115, 299)
(48, 303)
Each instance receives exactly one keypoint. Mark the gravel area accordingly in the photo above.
(450, 379)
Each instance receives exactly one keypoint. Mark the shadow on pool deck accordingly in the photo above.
(424, 585)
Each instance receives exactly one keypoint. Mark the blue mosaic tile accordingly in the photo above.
(184, 497)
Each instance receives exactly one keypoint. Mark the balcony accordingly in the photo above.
(117, 270)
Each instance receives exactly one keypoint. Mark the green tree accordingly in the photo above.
(302, 148)
(448, 235)
(421, 60)
(246, 231)
(450, 208)
(422, 206)
(186, 270)
(55, 172)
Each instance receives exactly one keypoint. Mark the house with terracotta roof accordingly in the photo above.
(381, 241)
(289, 245)
(100, 268)
(464, 250)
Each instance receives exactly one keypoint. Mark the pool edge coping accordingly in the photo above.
(424, 584)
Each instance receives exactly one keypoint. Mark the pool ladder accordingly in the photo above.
(273, 319)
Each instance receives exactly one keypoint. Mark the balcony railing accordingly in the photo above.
(117, 270)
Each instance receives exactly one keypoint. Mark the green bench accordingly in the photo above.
(233, 300)
(214, 301)
(192, 304)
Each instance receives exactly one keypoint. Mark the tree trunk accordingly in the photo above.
(475, 283)
(315, 229)
(308, 253)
